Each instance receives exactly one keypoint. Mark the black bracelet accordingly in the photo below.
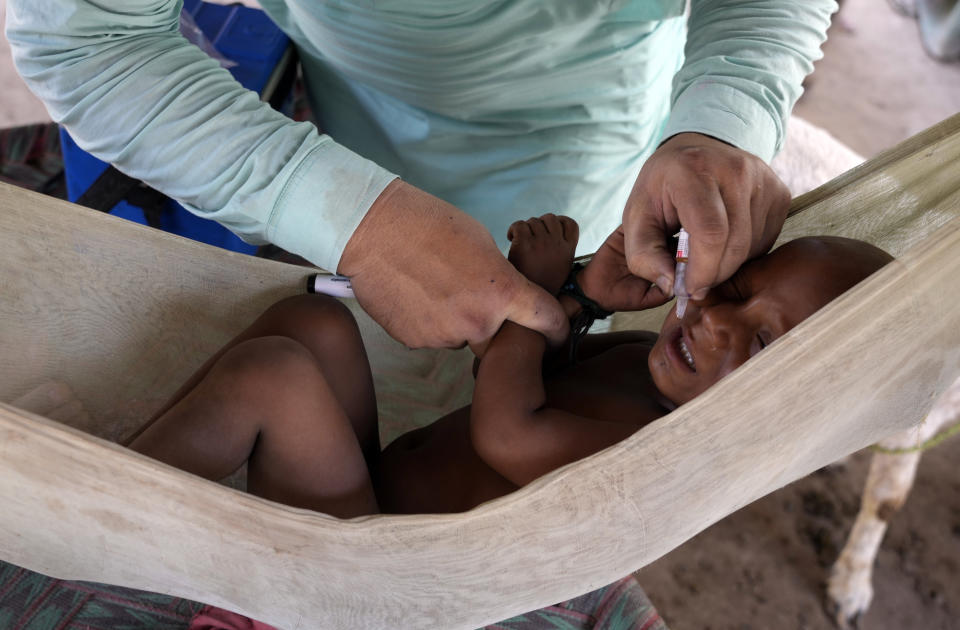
(590, 311)
(572, 288)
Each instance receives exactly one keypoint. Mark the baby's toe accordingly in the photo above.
(537, 226)
(517, 230)
(553, 225)
(571, 230)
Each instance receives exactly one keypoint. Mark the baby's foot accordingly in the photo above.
(57, 400)
(542, 249)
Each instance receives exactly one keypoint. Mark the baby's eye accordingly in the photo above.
(726, 291)
(760, 341)
(765, 338)
(734, 287)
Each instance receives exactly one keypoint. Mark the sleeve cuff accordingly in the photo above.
(718, 110)
(324, 201)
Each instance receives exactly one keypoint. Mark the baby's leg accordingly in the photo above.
(268, 401)
(327, 329)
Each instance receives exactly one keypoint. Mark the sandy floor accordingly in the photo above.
(875, 85)
(765, 566)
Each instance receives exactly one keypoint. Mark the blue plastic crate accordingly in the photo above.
(241, 34)
(244, 35)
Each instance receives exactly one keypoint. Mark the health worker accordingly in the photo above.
(443, 121)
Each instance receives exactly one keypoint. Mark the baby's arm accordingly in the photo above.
(511, 428)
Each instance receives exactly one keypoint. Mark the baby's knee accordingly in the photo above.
(322, 324)
(311, 312)
(275, 380)
(269, 365)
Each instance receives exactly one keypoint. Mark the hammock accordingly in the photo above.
(123, 314)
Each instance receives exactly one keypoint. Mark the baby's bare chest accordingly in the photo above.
(614, 386)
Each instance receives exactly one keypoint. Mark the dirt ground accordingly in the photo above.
(766, 566)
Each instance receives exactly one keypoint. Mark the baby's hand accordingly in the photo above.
(542, 249)
(608, 281)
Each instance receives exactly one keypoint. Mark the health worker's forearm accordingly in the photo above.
(133, 92)
(745, 62)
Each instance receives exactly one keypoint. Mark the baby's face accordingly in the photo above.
(764, 299)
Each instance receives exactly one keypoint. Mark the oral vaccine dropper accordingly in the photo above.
(679, 277)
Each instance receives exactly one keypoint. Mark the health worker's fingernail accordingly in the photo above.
(702, 293)
(665, 285)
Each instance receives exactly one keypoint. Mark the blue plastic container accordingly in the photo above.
(241, 34)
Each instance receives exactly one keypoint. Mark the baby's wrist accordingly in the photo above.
(584, 280)
(571, 307)
(573, 290)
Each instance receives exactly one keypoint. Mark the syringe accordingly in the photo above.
(679, 277)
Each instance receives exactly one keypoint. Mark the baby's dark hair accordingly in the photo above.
(852, 260)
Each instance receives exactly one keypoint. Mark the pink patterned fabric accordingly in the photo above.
(619, 606)
(213, 618)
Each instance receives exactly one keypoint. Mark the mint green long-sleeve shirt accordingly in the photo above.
(505, 108)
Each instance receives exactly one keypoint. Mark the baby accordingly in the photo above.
(292, 395)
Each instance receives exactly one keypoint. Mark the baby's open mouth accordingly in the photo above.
(685, 352)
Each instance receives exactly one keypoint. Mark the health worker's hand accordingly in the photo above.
(729, 201)
(432, 276)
